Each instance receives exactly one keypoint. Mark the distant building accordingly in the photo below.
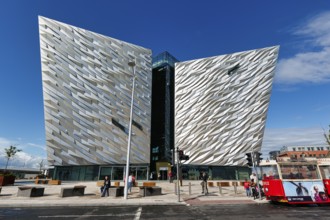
(274, 154)
(304, 151)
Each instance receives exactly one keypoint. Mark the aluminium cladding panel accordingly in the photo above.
(87, 86)
(221, 105)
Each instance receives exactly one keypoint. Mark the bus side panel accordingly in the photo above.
(273, 188)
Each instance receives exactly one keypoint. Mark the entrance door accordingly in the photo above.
(163, 174)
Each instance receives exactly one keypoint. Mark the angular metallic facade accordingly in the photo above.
(221, 105)
(87, 86)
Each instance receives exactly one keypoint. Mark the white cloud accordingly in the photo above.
(4, 143)
(318, 28)
(42, 147)
(309, 66)
(274, 139)
(23, 158)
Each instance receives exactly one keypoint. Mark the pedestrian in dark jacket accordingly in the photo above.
(106, 186)
(204, 178)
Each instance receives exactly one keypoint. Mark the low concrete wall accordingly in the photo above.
(150, 191)
(72, 191)
(26, 191)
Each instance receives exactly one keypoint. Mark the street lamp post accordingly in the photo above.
(178, 174)
(131, 64)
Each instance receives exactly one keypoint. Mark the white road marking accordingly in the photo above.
(138, 214)
(77, 216)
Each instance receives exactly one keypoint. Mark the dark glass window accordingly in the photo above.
(233, 70)
(137, 125)
(120, 126)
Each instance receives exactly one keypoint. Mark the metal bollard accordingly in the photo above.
(220, 189)
(235, 188)
(175, 188)
(189, 188)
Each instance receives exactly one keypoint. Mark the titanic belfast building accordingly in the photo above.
(213, 108)
(87, 85)
(221, 106)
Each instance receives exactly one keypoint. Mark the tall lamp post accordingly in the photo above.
(131, 64)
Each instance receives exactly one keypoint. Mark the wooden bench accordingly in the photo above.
(72, 191)
(150, 190)
(54, 182)
(100, 183)
(210, 184)
(39, 181)
(150, 184)
(28, 191)
(223, 184)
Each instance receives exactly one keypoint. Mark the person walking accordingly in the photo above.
(247, 188)
(130, 183)
(253, 177)
(106, 186)
(170, 176)
(204, 183)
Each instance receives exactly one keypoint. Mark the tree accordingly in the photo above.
(10, 153)
(41, 164)
(327, 136)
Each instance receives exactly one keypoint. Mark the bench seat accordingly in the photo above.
(72, 191)
(223, 184)
(54, 182)
(150, 191)
(28, 191)
(39, 181)
(150, 184)
(116, 191)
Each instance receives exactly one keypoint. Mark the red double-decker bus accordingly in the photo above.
(292, 181)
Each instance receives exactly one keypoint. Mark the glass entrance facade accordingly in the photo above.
(91, 173)
(191, 172)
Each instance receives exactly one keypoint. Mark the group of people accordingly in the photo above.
(107, 183)
(251, 187)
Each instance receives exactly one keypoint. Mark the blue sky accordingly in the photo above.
(299, 107)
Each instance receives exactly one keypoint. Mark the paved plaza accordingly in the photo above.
(189, 195)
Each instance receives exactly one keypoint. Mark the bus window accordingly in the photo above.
(288, 171)
(299, 171)
(311, 171)
(325, 172)
(269, 172)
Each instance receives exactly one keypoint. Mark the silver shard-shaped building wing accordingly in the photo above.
(87, 86)
(221, 105)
